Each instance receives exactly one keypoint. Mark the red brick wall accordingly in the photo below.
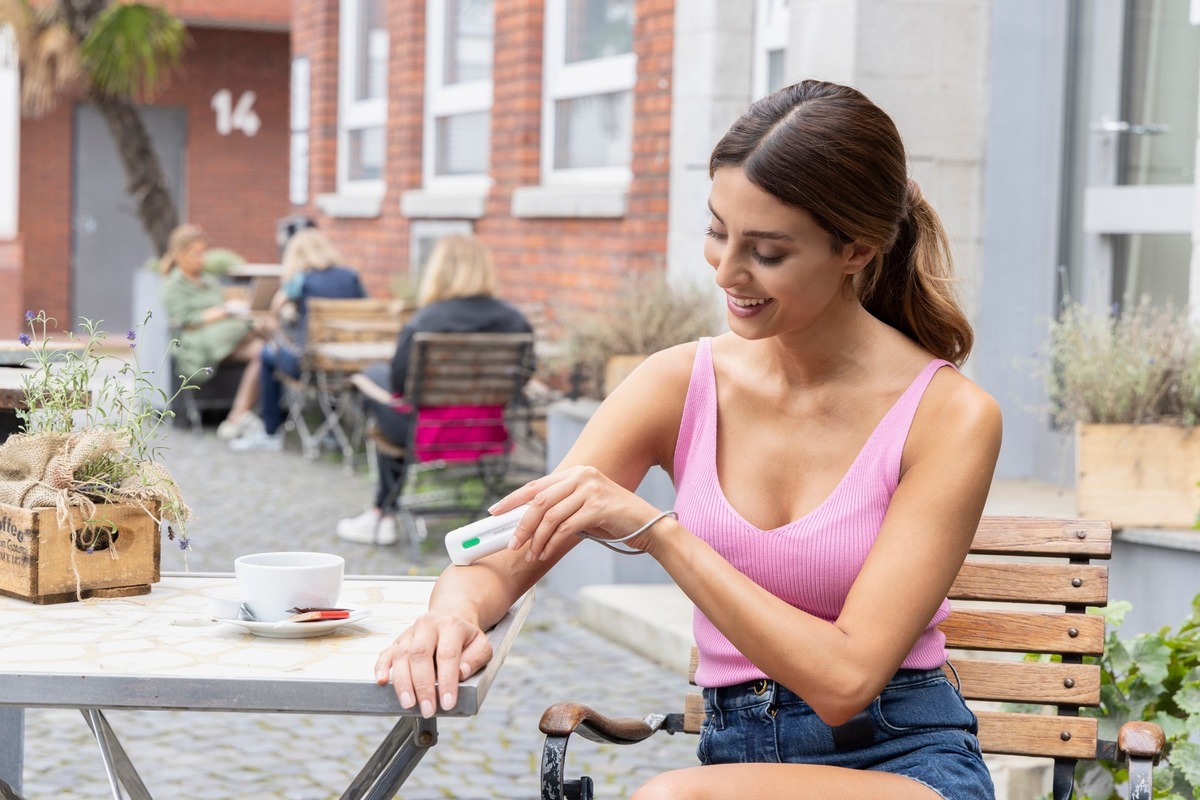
(378, 247)
(258, 13)
(12, 321)
(557, 265)
(44, 214)
(554, 265)
(235, 185)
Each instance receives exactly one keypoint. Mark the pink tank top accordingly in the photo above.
(810, 563)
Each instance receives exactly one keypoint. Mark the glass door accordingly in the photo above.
(1134, 85)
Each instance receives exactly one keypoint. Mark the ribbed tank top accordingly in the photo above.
(810, 563)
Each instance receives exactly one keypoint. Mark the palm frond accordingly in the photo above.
(19, 17)
(132, 48)
(51, 68)
(46, 52)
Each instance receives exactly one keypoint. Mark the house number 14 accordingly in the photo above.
(239, 117)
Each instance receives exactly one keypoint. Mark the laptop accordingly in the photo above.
(262, 290)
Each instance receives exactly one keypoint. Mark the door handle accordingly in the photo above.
(1121, 126)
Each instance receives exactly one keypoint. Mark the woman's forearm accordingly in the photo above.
(481, 593)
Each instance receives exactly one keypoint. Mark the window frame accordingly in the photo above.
(769, 36)
(443, 101)
(563, 81)
(356, 115)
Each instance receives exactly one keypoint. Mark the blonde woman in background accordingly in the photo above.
(456, 295)
(210, 328)
(311, 268)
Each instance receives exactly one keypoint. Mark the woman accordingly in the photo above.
(822, 521)
(310, 269)
(210, 328)
(457, 295)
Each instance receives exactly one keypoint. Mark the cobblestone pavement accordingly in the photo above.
(266, 501)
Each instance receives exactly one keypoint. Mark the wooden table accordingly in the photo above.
(15, 354)
(351, 357)
(246, 271)
(165, 650)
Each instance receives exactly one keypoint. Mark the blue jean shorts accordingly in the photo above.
(919, 727)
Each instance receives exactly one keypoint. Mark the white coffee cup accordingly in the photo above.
(271, 583)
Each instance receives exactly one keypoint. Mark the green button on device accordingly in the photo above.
(470, 543)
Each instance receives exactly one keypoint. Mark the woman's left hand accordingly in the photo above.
(567, 503)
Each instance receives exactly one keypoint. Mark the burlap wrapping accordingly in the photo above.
(38, 471)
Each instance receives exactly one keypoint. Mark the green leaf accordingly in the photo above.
(1188, 698)
(131, 48)
(1185, 757)
(1152, 657)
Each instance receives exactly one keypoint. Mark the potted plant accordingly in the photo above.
(1129, 383)
(649, 314)
(83, 494)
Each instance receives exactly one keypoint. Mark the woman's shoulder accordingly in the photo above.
(955, 408)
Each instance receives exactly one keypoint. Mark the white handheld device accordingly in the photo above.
(483, 537)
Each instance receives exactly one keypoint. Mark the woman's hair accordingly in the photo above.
(460, 266)
(830, 151)
(308, 249)
(183, 237)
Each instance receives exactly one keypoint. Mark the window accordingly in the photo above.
(587, 120)
(771, 20)
(458, 95)
(362, 91)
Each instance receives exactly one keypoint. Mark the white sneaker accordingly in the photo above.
(229, 430)
(258, 440)
(368, 528)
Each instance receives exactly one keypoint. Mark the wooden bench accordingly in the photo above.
(1026, 588)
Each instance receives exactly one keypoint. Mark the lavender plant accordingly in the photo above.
(1136, 367)
(99, 410)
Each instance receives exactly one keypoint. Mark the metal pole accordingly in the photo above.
(12, 746)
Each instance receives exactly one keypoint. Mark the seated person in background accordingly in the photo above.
(456, 296)
(210, 328)
(310, 269)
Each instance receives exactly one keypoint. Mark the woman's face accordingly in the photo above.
(191, 259)
(776, 265)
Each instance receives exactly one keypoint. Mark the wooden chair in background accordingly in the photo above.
(460, 389)
(342, 336)
(1026, 588)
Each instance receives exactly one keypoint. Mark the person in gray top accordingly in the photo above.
(457, 295)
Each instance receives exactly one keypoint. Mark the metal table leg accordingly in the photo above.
(117, 766)
(394, 760)
(12, 750)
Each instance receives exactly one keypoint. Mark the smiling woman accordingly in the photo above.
(830, 468)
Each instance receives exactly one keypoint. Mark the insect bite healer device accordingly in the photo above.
(483, 537)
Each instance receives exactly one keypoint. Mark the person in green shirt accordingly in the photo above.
(210, 328)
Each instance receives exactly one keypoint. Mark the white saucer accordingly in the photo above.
(299, 630)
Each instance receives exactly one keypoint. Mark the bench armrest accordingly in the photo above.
(563, 719)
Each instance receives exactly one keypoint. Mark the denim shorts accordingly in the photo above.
(919, 727)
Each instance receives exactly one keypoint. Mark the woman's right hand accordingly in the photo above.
(435, 653)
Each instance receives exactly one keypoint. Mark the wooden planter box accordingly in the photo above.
(1138, 476)
(36, 554)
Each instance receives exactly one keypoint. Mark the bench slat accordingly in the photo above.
(1024, 632)
(1036, 735)
(1032, 583)
(693, 712)
(1027, 682)
(1040, 536)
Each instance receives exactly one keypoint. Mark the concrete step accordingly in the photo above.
(653, 620)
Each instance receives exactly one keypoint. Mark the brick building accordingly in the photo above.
(1057, 139)
(425, 118)
(70, 242)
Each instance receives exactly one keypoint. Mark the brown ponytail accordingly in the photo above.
(911, 286)
(830, 151)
